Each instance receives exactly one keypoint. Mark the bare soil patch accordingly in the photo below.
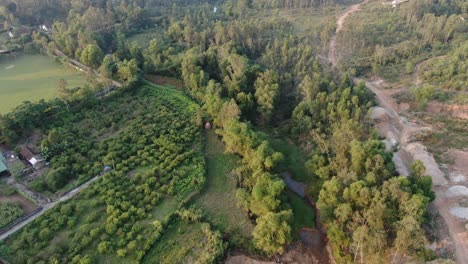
(243, 259)
(460, 158)
(26, 205)
(167, 81)
(454, 110)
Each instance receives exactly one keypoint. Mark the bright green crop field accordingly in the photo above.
(31, 78)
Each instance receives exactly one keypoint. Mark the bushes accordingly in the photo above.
(160, 133)
(9, 212)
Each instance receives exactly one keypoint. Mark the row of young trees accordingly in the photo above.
(233, 80)
(230, 64)
(158, 129)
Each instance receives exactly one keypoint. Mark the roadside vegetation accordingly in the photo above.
(9, 212)
(112, 215)
(171, 194)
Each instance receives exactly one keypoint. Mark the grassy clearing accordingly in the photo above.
(295, 163)
(16, 167)
(166, 207)
(180, 243)
(218, 199)
(143, 39)
(304, 215)
(449, 133)
(31, 78)
(307, 21)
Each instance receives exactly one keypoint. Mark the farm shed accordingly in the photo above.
(3, 167)
(29, 156)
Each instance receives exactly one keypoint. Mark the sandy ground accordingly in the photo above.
(449, 193)
(243, 259)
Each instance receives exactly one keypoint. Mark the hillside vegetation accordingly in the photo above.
(175, 196)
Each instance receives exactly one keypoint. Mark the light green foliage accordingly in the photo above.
(264, 194)
(389, 40)
(423, 94)
(449, 72)
(127, 70)
(115, 213)
(266, 92)
(272, 232)
(21, 80)
(92, 55)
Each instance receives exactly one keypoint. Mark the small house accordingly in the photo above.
(208, 125)
(10, 34)
(30, 157)
(3, 167)
(215, 9)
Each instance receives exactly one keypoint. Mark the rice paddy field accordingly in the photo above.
(31, 78)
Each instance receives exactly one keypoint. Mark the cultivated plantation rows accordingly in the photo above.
(155, 156)
(296, 131)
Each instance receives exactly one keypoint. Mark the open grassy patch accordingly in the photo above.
(31, 78)
(180, 243)
(304, 215)
(218, 198)
(143, 38)
(295, 163)
(166, 207)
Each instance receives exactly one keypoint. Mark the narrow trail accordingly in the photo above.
(46, 207)
(398, 129)
(339, 27)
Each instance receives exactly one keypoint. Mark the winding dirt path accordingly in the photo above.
(45, 208)
(339, 27)
(399, 129)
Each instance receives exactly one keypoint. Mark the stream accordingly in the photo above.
(313, 240)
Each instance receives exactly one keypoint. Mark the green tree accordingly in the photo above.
(92, 55)
(267, 90)
(272, 232)
(423, 94)
(128, 70)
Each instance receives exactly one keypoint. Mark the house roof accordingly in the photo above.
(26, 153)
(3, 167)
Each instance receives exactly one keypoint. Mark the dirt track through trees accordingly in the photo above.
(403, 133)
(46, 207)
(339, 26)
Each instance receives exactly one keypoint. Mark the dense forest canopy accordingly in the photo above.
(246, 75)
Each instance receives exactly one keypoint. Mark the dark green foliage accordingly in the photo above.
(9, 212)
(154, 127)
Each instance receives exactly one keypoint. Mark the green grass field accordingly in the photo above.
(31, 78)
(143, 39)
(218, 199)
(180, 243)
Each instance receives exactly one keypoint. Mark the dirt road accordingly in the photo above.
(339, 26)
(47, 207)
(399, 129)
